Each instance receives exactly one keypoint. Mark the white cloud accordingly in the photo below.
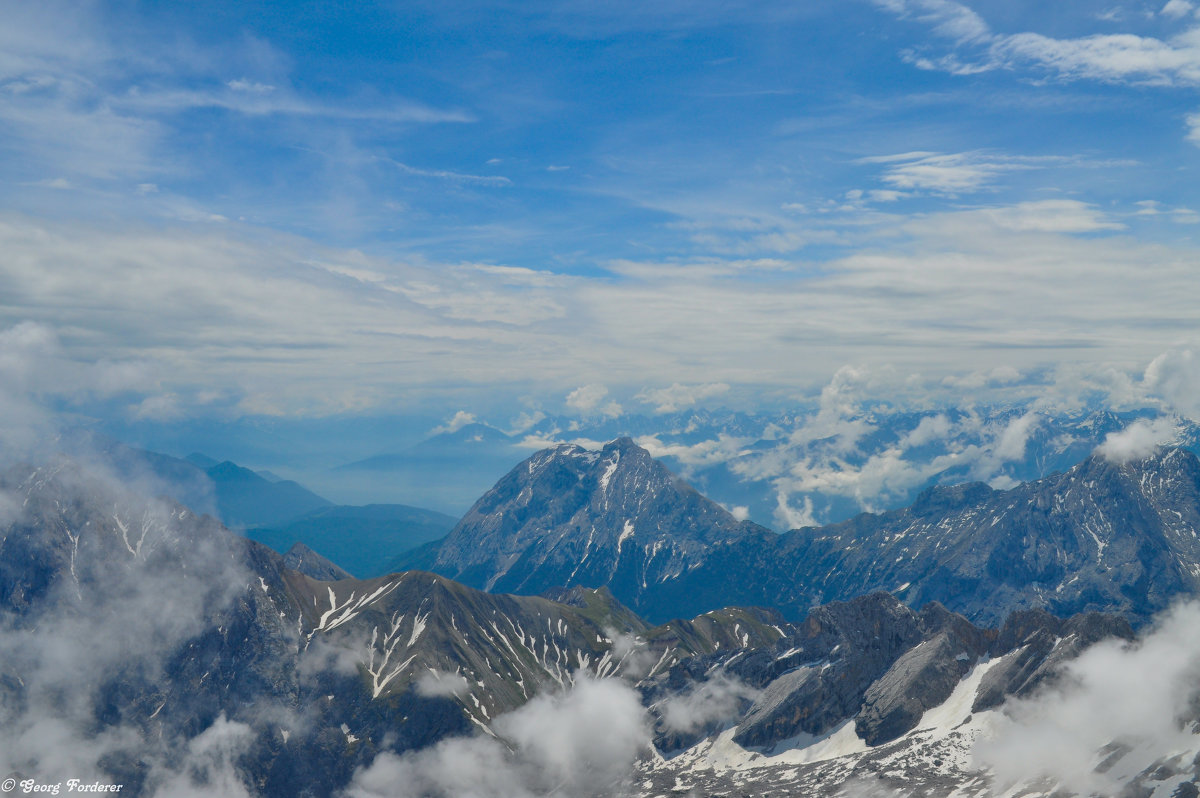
(1193, 123)
(525, 421)
(124, 612)
(1114, 694)
(209, 767)
(460, 419)
(457, 177)
(941, 173)
(679, 397)
(1119, 57)
(1176, 9)
(720, 698)
(947, 293)
(163, 407)
(254, 87)
(588, 399)
(1138, 440)
(1174, 376)
(789, 517)
(724, 448)
(1052, 216)
(436, 684)
(1011, 443)
(582, 743)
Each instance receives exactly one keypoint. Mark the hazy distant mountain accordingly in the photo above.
(446, 471)
(246, 499)
(363, 540)
(235, 495)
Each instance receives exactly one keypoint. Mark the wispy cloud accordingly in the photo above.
(947, 173)
(677, 396)
(972, 290)
(1118, 58)
(457, 177)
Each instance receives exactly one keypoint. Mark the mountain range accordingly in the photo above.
(1102, 536)
(146, 645)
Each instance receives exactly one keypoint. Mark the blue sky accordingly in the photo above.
(313, 209)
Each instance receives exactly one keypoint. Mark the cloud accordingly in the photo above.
(789, 517)
(1116, 58)
(940, 294)
(1117, 701)
(1052, 216)
(587, 399)
(458, 177)
(948, 174)
(1174, 376)
(209, 767)
(36, 371)
(928, 430)
(435, 684)
(1138, 440)
(724, 448)
(110, 621)
(460, 419)
(1011, 443)
(583, 742)
(679, 397)
(717, 700)
(1176, 9)
(525, 422)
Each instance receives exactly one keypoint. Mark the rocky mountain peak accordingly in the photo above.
(569, 516)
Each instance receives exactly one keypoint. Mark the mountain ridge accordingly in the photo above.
(1100, 536)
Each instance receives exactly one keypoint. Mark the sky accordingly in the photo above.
(320, 210)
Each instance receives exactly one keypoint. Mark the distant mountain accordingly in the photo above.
(235, 495)
(201, 460)
(446, 471)
(1100, 536)
(568, 516)
(246, 499)
(364, 540)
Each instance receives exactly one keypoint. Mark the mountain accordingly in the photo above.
(244, 498)
(145, 646)
(235, 495)
(303, 559)
(363, 540)
(446, 471)
(1100, 536)
(568, 516)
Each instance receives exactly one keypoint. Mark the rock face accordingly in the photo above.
(879, 665)
(303, 559)
(1099, 537)
(568, 516)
